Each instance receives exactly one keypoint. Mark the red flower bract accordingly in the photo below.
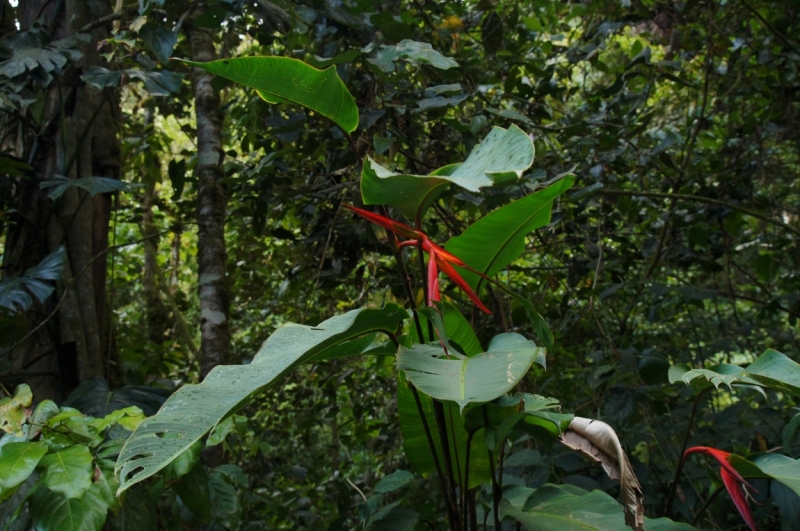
(732, 481)
(438, 258)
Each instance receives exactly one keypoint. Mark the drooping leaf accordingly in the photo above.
(568, 508)
(15, 293)
(194, 410)
(502, 157)
(463, 380)
(598, 441)
(30, 52)
(497, 239)
(52, 511)
(68, 471)
(292, 80)
(17, 462)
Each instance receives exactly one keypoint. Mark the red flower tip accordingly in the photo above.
(387, 223)
(732, 481)
(438, 258)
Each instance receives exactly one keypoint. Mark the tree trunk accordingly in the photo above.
(81, 141)
(211, 204)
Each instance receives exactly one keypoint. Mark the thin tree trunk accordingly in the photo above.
(211, 199)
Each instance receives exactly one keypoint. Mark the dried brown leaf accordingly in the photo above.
(598, 441)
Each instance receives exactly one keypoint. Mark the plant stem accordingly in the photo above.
(495, 487)
(674, 487)
(710, 499)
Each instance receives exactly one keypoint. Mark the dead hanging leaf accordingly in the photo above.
(598, 441)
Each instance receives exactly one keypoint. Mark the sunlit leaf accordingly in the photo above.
(291, 80)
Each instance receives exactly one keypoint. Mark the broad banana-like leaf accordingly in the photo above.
(194, 410)
(502, 157)
(280, 79)
(598, 441)
(463, 380)
(497, 239)
(417, 449)
(569, 508)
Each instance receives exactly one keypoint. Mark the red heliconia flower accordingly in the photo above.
(438, 258)
(732, 480)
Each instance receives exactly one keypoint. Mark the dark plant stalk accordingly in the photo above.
(708, 502)
(452, 515)
(465, 492)
(495, 487)
(674, 487)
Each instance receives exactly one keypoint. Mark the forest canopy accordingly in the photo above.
(350, 264)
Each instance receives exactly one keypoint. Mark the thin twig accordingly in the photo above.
(707, 200)
(682, 459)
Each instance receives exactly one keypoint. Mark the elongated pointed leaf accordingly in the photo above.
(502, 157)
(283, 78)
(568, 508)
(481, 378)
(194, 410)
(415, 442)
(497, 239)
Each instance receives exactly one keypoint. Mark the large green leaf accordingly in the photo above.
(781, 468)
(68, 471)
(17, 461)
(283, 78)
(777, 371)
(497, 239)
(568, 508)
(415, 442)
(502, 157)
(463, 380)
(52, 511)
(194, 410)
